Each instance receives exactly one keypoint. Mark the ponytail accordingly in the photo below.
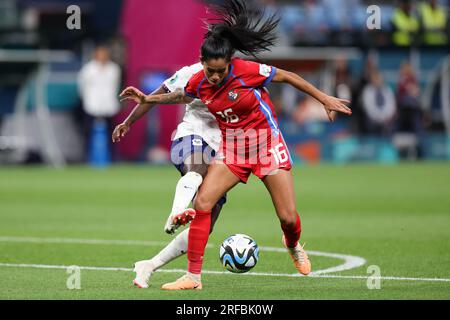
(238, 28)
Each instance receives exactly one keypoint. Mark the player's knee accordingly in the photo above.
(201, 169)
(202, 203)
(193, 178)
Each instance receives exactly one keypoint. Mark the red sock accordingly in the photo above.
(292, 234)
(198, 237)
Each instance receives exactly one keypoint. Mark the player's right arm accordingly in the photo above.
(170, 92)
(145, 103)
(180, 89)
(175, 97)
(139, 110)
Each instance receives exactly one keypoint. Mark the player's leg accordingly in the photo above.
(196, 163)
(281, 189)
(218, 181)
(187, 157)
(194, 170)
(216, 210)
(191, 155)
(176, 248)
(192, 165)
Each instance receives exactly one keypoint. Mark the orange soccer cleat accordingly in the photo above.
(183, 283)
(300, 258)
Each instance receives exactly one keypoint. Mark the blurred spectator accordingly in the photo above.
(98, 83)
(369, 68)
(378, 101)
(433, 21)
(358, 116)
(290, 97)
(408, 100)
(343, 82)
(309, 110)
(405, 25)
(343, 79)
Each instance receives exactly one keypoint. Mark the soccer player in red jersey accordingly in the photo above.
(234, 91)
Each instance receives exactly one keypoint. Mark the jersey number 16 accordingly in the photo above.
(228, 115)
(280, 153)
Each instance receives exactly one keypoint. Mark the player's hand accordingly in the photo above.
(334, 105)
(131, 93)
(120, 131)
(331, 115)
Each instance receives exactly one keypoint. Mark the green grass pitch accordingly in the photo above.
(394, 217)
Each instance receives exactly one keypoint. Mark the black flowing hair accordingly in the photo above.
(238, 27)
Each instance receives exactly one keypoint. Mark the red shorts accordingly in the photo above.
(263, 161)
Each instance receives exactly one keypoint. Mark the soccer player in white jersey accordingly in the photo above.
(195, 143)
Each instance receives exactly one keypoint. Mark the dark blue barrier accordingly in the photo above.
(99, 147)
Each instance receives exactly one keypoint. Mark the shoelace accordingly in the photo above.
(299, 253)
(186, 277)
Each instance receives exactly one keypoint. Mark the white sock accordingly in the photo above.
(186, 189)
(174, 249)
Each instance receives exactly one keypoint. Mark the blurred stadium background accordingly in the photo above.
(42, 119)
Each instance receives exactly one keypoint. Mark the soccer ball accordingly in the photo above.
(239, 253)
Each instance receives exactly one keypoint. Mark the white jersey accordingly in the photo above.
(197, 119)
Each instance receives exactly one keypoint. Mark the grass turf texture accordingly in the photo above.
(396, 217)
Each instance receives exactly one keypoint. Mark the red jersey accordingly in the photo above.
(240, 101)
(251, 139)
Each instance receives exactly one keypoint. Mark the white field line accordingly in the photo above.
(350, 262)
(43, 266)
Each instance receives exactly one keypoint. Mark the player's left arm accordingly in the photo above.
(331, 104)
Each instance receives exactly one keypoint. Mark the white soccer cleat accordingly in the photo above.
(144, 270)
(175, 221)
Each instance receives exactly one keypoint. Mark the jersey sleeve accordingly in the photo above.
(255, 74)
(192, 86)
(178, 80)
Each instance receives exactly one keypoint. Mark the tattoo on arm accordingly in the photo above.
(137, 113)
(142, 109)
(176, 97)
(159, 96)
